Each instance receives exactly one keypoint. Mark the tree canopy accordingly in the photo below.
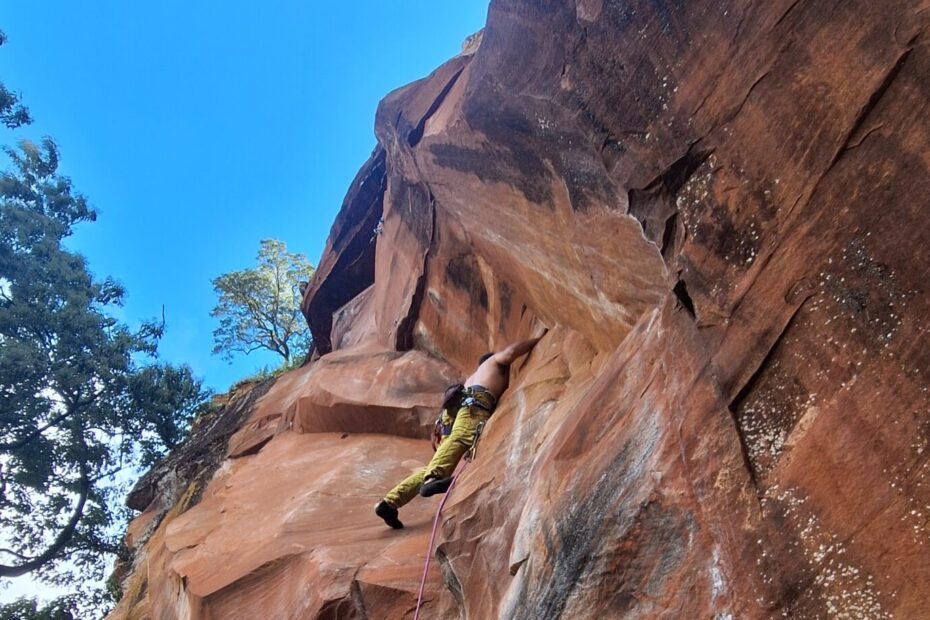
(259, 308)
(13, 113)
(82, 396)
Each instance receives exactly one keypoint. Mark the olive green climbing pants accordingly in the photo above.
(450, 451)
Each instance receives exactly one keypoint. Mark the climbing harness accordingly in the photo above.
(469, 457)
(455, 397)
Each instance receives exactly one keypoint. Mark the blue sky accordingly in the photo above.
(199, 128)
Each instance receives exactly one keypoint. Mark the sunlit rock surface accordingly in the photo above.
(720, 210)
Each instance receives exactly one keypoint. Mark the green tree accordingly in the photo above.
(59, 609)
(260, 308)
(82, 396)
(13, 113)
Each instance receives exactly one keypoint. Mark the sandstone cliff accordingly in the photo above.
(720, 209)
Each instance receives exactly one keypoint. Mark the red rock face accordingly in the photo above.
(720, 210)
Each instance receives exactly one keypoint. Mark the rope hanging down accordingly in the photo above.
(469, 457)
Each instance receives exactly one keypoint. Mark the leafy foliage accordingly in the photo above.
(82, 396)
(13, 114)
(59, 609)
(260, 308)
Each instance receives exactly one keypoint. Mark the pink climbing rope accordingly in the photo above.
(432, 538)
(469, 457)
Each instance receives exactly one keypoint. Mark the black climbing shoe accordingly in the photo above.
(435, 485)
(389, 514)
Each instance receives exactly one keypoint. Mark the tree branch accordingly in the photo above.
(73, 408)
(19, 555)
(64, 537)
(109, 473)
(19, 443)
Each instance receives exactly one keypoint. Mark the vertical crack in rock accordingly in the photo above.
(340, 609)
(404, 338)
(358, 598)
(654, 205)
(786, 13)
(872, 101)
(671, 237)
(681, 292)
(416, 134)
(846, 143)
(453, 584)
(742, 426)
(739, 107)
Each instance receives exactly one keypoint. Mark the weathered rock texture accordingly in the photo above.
(720, 209)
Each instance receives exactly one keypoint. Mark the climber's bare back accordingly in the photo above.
(494, 373)
(490, 375)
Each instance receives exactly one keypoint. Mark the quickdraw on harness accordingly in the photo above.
(473, 451)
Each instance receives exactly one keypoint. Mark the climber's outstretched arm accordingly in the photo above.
(507, 356)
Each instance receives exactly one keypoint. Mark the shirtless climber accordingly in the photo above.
(482, 390)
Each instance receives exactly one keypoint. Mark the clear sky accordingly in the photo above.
(199, 128)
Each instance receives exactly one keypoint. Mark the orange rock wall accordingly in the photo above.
(719, 209)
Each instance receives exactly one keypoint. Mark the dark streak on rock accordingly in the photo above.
(462, 271)
(497, 166)
(413, 205)
(506, 303)
(632, 547)
(526, 140)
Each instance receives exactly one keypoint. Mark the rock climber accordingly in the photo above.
(479, 397)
